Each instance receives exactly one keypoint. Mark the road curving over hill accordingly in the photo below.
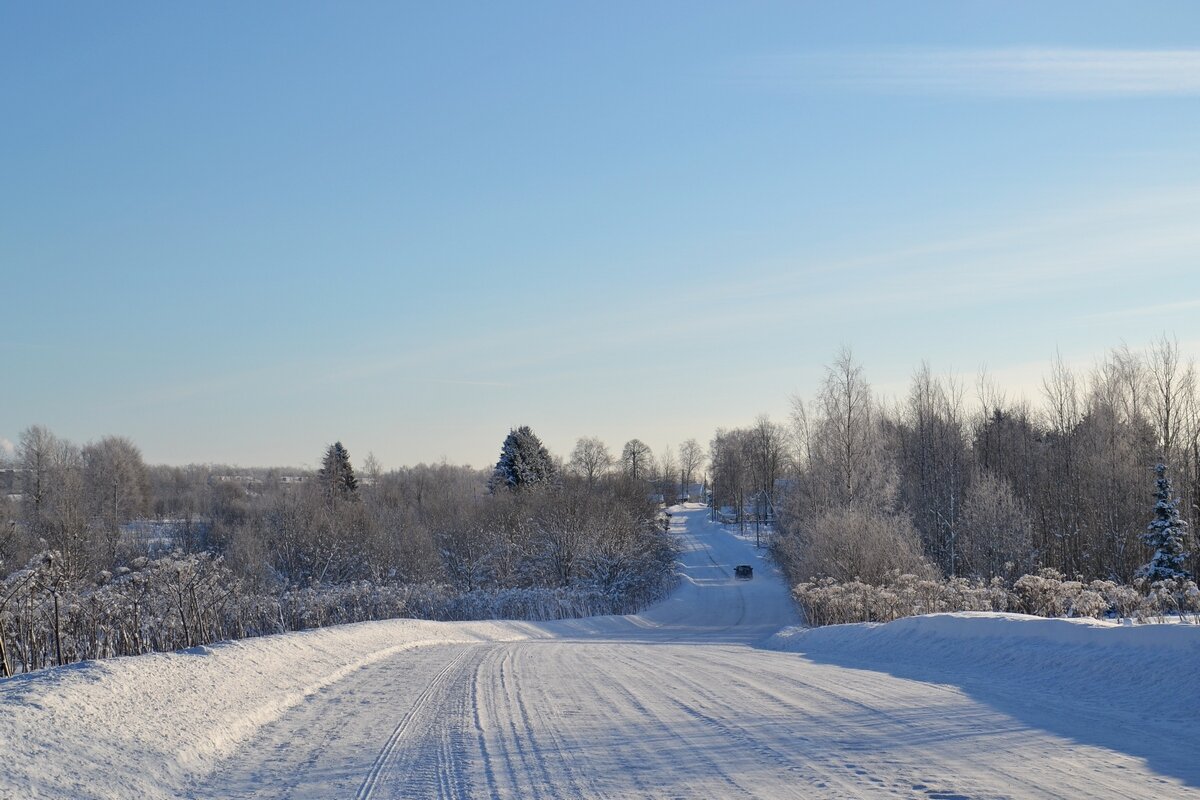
(679, 701)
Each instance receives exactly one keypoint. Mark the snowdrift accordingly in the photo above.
(994, 628)
(147, 726)
(1157, 666)
(1113, 677)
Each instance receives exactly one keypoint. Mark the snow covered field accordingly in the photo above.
(701, 696)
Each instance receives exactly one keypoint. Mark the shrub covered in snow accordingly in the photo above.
(184, 600)
(1046, 593)
(829, 601)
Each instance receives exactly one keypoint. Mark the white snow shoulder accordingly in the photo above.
(183, 712)
(1124, 664)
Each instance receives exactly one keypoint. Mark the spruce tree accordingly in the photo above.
(336, 474)
(524, 462)
(1166, 535)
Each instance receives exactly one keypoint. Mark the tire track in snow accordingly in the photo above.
(578, 787)
(826, 769)
(414, 729)
(687, 743)
(488, 720)
(522, 731)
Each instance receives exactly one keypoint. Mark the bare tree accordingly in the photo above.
(1173, 388)
(1062, 500)
(668, 475)
(732, 462)
(933, 463)
(371, 468)
(637, 460)
(800, 434)
(54, 501)
(768, 452)
(849, 465)
(36, 455)
(997, 533)
(590, 458)
(1114, 443)
(117, 485)
(691, 459)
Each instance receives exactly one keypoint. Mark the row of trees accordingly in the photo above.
(76, 498)
(929, 486)
(252, 551)
(670, 474)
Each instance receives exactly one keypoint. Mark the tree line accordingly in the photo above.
(931, 486)
(944, 483)
(104, 555)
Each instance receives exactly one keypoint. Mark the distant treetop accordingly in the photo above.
(524, 462)
(336, 474)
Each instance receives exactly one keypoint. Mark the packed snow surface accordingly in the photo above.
(712, 693)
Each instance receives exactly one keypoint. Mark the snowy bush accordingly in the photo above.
(1046, 593)
(1124, 601)
(1042, 593)
(851, 544)
(1173, 596)
(829, 601)
(181, 601)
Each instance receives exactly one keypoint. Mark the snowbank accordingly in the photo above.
(994, 627)
(147, 726)
(1000, 656)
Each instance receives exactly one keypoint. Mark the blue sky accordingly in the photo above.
(237, 232)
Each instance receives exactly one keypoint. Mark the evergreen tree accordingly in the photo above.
(1166, 535)
(524, 462)
(336, 474)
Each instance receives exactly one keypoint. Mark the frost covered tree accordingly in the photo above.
(847, 460)
(997, 533)
(730, 463)
(337, 475)
(668, 475)
(766, 454)
(932, 460)
(1166, 535)
(590, 458)
(117, 484)
(691, 457)
(637, 460)
(372, 468)
(36, 457)
(524, 462)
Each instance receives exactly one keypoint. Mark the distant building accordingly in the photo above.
(244, 480)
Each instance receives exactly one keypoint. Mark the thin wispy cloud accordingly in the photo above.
(1158, 310)
(454, 382)
(991, 72)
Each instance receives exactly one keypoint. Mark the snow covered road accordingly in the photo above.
(676, 702)
(694, 698)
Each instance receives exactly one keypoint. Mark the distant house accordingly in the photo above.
(244, 480)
